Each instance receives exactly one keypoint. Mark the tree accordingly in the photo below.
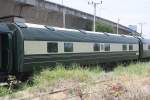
(103, 27)
(88, 26)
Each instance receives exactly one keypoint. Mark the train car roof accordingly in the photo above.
(4, 28)
(145, 41)
(34, 32)
(41, 32)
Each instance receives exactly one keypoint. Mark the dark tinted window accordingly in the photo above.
(107, 47)
(52, 47)
(102, 47)
(130, 47)
(148, 47)
(124, 47)
(68, 47)
(96, 47)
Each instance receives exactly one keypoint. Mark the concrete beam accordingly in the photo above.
(48, 13)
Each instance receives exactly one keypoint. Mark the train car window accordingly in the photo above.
(52, 47)
(130, 47)
(102, 47)
(148, 47)
(124, 47)
(96, 47)
(107, 47)
(68, 47)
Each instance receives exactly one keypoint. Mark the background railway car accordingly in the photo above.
(28, 45)
(145, 48)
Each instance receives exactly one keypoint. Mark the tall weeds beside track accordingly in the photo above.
(129, 79)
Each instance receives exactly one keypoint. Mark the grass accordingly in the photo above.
(74, 72)
(48, 77)
(4, 91)
(138, 69)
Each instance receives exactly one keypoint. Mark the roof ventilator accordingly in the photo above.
(50, 28)
(106, 33)
(123, 35)
(82, 31)
(21, 25)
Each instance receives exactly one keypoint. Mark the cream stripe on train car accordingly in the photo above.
(40, 47)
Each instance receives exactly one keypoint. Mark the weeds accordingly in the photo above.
(138, 69)
(4, 91)
(61, 72)
(50, 75)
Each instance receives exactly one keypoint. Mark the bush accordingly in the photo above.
(60, 71)
(103, 27)
(4, 91)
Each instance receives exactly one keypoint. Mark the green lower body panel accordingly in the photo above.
(81, 58)
(146, 54)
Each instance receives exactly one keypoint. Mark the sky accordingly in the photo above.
(130, 12)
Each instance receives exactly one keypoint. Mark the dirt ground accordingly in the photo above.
(101, 88)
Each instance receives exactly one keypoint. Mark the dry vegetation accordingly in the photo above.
(123, 83)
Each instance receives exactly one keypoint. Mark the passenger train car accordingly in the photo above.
(145, 48)
(24, 45)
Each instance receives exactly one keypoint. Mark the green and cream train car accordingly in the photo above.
(145, 48)
(25, 45)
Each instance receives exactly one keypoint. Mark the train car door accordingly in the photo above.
(5, 52)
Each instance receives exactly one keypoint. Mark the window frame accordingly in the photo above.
(102, 46)
(123, 49)
(50, 51)
(68, 48)
(130, 46)
(148, 47)
(105, 47)
(94, 47)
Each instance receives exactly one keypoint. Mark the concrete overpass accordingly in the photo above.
(48, 13)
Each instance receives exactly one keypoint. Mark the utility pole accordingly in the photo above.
(141, 25)
(94, 5)
(64, 14)
(118, 25)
